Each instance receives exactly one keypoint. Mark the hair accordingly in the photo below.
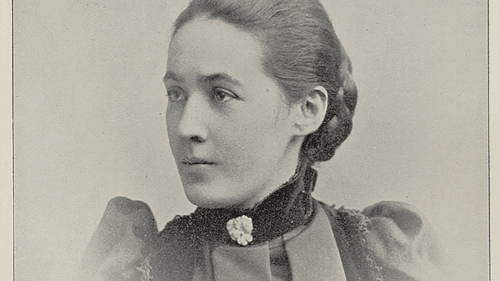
(301, 51)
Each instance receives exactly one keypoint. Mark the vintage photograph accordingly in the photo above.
(250, 140)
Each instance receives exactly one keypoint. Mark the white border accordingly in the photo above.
(6, 201)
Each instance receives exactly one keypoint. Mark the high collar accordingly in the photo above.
(290, 206)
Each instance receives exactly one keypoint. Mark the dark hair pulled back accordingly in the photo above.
(301, 51)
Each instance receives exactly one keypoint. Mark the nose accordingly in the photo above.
(192, 124)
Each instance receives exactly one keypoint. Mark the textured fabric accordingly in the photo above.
(319, 260)
(403, 243)
(349, 228)
(389, 238)
(238, 263)
(115, 250)
(260, 262)
(288, 207)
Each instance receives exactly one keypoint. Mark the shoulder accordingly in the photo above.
(126, 229)
(395, 239)
(404, 241)
(127, 239)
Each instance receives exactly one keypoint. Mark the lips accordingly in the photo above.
(196, 161)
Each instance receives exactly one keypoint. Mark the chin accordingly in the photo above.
(201, 196)
(210, 202)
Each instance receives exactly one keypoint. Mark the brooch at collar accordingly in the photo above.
(240, 230)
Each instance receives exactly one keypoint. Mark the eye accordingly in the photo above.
(221, 95)
(175, 95)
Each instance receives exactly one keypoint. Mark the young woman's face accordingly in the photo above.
(228, 123)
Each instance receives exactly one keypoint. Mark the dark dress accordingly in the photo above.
(295, 237)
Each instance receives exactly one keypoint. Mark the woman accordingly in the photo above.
(259, 92)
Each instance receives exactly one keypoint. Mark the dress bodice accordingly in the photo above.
(389, 240)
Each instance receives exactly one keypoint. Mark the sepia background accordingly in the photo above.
(89, 121)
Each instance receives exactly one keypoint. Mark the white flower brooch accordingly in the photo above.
(240, 230)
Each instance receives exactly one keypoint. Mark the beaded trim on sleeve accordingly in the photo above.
(145, 269)
(363, 224)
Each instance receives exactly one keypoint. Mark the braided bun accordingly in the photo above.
(337, 125)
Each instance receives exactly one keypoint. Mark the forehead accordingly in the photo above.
(207, 46)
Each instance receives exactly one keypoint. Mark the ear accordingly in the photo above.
(311, 111)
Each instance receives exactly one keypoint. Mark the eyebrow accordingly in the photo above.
(219, 76)
(204, 78)
(172, 76)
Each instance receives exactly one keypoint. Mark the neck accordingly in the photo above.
(290, 206)
(287, 167)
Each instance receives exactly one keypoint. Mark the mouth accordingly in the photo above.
(191, 161)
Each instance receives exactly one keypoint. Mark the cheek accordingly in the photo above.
(172, 121)
(253, 140)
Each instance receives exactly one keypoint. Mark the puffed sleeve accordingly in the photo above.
(403, 243)
(117, 247)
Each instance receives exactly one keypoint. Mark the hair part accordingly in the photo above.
(301, 51)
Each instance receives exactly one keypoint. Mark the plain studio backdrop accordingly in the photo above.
(89, 121)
